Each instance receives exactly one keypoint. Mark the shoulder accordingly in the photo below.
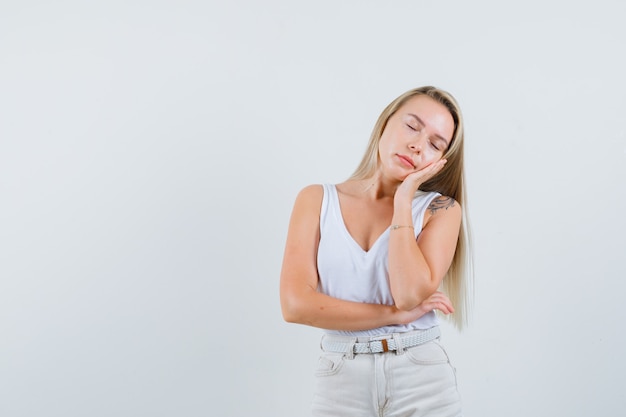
(305, 216)
(311, 193)
(309, 199)
(444, 207)
(443, 203)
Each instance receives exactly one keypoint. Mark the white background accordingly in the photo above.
(150, 153)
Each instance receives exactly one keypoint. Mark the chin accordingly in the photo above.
(400, 177)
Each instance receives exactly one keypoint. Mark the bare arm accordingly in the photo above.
(300, 300)
(416, 267)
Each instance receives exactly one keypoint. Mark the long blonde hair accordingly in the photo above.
(450, 181)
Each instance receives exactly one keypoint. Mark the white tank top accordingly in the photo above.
(348, 272)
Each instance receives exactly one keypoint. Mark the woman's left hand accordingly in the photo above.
(412, 182)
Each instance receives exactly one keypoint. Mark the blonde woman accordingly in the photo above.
(369, 260)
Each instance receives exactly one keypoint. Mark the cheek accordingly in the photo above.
(433, 156)
(383, 146)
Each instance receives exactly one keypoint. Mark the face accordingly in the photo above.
(417, 135)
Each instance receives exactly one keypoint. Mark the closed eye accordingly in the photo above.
(413, 128)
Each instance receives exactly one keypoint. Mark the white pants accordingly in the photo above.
(415, 382)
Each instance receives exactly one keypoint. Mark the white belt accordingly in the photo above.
(388, 343)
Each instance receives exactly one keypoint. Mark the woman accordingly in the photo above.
(364, 260)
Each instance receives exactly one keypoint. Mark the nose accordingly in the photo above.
(416, 145)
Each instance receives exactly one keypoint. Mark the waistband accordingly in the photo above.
(396, 342)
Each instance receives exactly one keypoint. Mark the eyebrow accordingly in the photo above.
(424, 124)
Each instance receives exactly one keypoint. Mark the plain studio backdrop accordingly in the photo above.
(151, 151)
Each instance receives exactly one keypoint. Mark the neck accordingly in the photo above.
(378, 187)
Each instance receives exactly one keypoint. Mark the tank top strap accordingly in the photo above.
(327, 201)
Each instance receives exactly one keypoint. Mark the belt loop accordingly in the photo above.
(350, 351)
(398, 341)
(385, 345)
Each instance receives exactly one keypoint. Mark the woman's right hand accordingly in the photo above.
(437, 301)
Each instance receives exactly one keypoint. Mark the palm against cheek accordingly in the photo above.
(412, 181)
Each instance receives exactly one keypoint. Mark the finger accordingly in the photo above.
(446, 302)
(438, 166)
(438, 297)
(444, 308)
(440, 302)
(429, 171)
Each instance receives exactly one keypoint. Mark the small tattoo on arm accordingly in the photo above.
(439, 203)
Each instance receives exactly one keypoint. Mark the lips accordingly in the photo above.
(406, 161)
